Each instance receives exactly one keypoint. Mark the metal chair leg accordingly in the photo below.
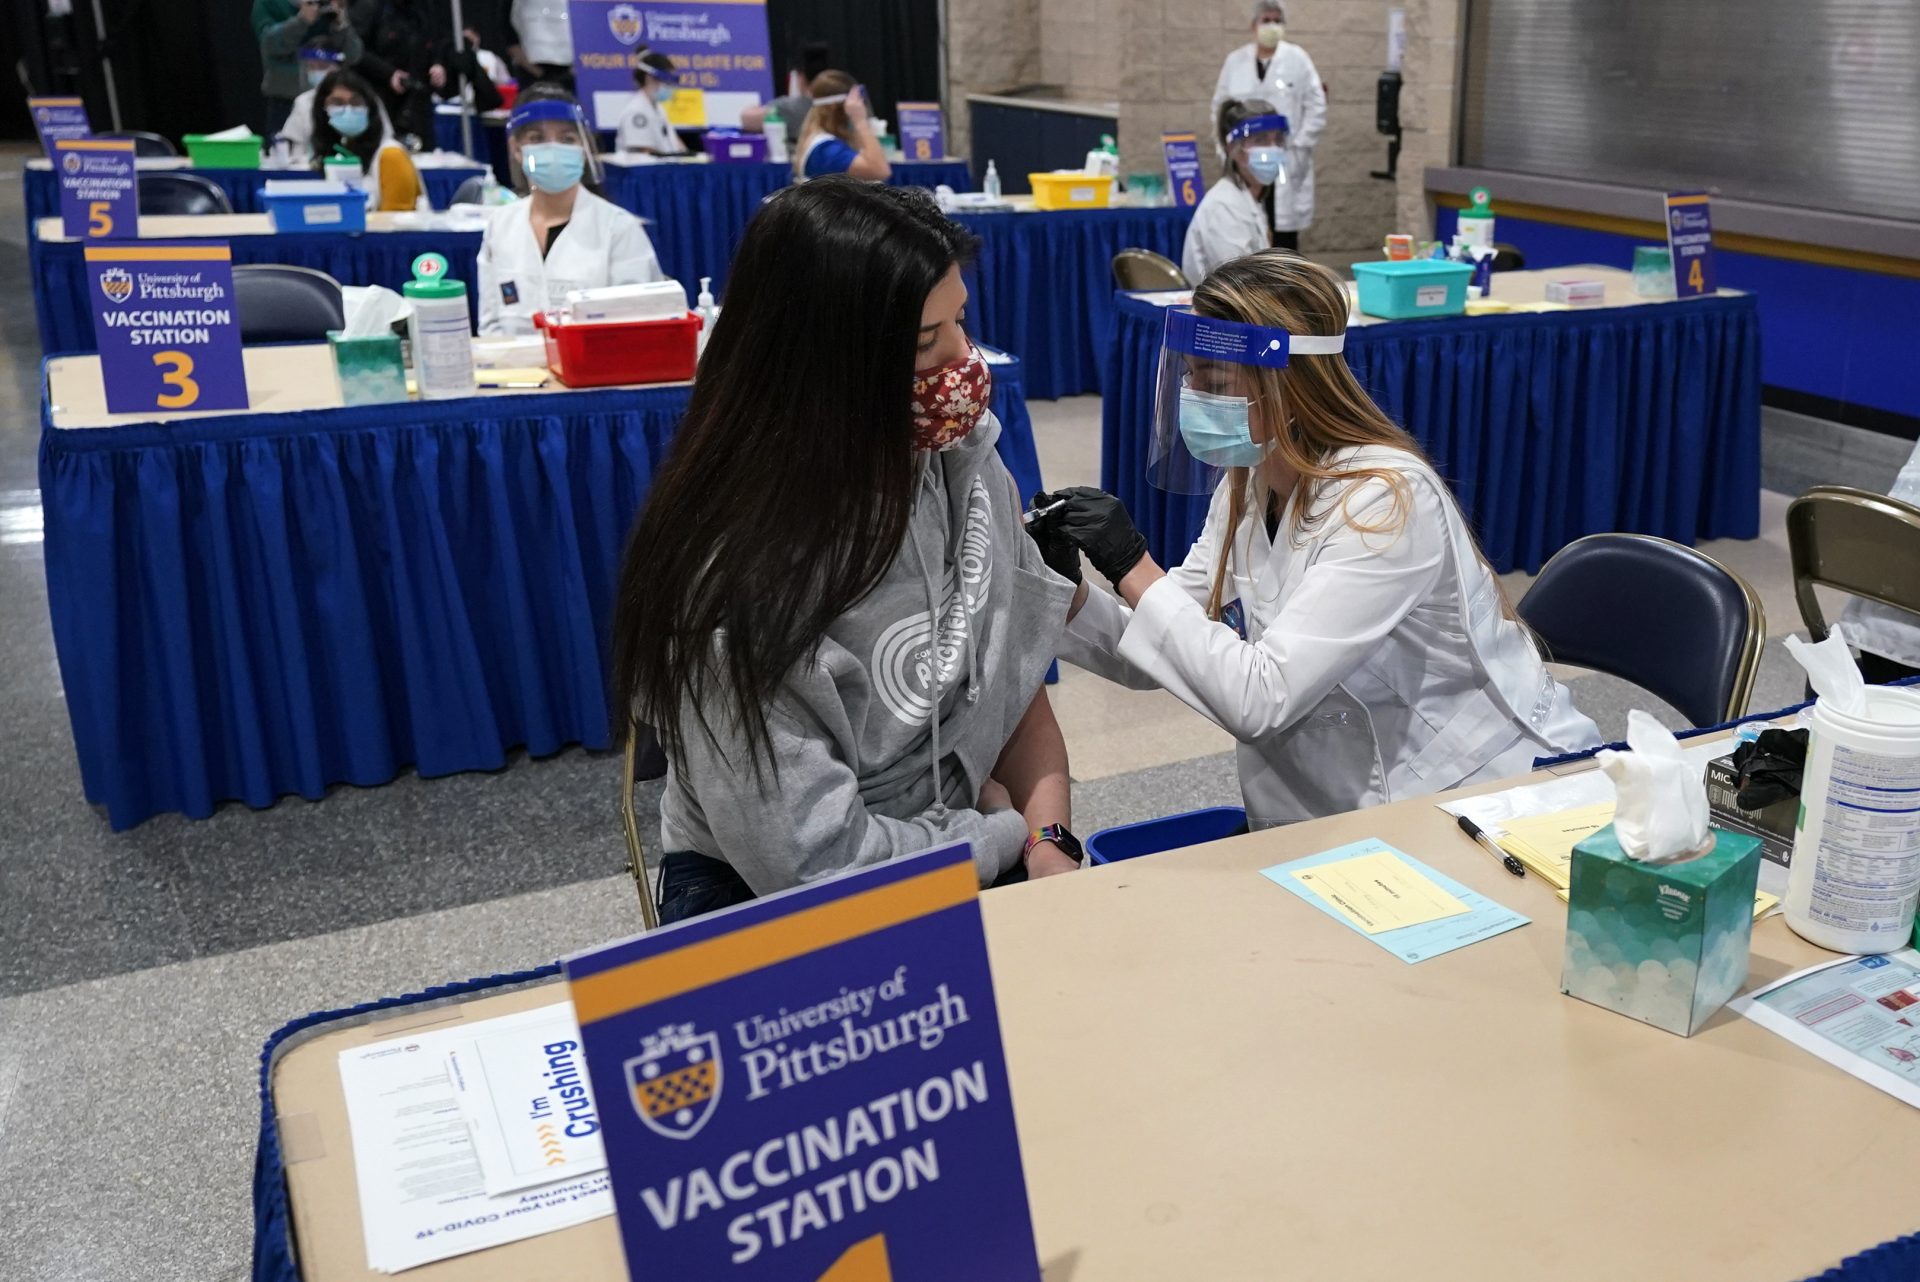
(636, 852)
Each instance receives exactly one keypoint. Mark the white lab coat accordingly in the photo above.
(1293, 86)
(643, 127)
(1377, 666)
(1229, 224)
(601, 245)
(298, 131)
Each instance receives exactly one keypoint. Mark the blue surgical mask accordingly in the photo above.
(1217, 429)
(348, 122)
(1267, 164)
(554, 166)
(314, 78)
(664, 94)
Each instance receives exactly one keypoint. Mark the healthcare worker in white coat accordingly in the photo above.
(559, 236)
(643, 124)
(1335, 616)
(1281, 73)
(1235, 219)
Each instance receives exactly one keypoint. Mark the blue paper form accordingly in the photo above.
(1483, 919)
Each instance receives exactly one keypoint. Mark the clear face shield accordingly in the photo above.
(1214, 408)
(1265, 139)
(552, 146)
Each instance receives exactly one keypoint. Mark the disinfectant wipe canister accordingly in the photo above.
(1855, 875)
(441, 338)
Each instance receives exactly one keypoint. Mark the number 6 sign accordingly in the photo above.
(1183, 169)
(167, 328)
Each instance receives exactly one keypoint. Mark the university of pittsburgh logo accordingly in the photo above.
(624, 21)
(675, 1080)
(70, 163)
(116, 284)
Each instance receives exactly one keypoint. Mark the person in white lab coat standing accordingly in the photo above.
(1281, 73)
(1236, 219)
(1335, 616)
(558, 236)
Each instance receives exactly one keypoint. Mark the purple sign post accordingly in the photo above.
(810, 1087)
(1690, 241)
(57, 118)
(165, 322)
(720, 49)
(99, 195)
(922, 129)
(1183, 169)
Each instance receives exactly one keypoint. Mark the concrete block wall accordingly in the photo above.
(991, 45)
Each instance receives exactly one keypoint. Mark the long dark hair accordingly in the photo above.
(326, 138)
(791, 479)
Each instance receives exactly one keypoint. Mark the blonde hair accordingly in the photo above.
(1313, 407)
(829, 118)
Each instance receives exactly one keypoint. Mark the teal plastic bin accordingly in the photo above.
(1403, 290)
(1170, 832)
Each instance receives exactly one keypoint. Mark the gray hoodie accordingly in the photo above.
(853, 730)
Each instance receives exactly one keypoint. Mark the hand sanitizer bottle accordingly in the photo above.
(991, 183)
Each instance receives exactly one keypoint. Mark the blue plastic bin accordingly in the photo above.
(1403, 290)
(316, 205)
(1171, 832)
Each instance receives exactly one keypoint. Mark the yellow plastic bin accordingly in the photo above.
(1073, 190)
(223, 153)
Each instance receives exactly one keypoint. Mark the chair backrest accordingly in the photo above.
(1856, 541)
(1668, 618)
(645, 761)
(177, 193)
(1142, 269)
(1508, 259)
(471, 192)
(282, 304)
(144, 143)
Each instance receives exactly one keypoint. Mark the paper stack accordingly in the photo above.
(1544, 843)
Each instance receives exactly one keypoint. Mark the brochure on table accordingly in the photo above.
(99, 188)
(811, 1086)
(522, 1087)
(166, 325)
(1860, 1014)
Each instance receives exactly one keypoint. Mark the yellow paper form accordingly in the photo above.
(1544, 843)
(687, 109)
(1379, 891)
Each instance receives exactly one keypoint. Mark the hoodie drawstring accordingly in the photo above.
(933, 669)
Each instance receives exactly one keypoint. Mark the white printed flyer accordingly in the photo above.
(1860, 1014)
(522, 1086)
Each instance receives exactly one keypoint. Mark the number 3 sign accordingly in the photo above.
(167, 328)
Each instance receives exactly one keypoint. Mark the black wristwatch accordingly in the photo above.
(1067, 843)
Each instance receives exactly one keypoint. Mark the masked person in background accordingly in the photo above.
(1335, 616)
(559, 236)
(317, 62)
(1280, 73)
(828, 609)
(643, 125)
(838, 137)
(346, 114)
(1235, 219)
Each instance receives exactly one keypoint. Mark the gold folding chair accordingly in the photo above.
(1854, 541)
(1143, 271)
(637, 735)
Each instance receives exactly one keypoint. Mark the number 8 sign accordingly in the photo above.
(167, 327)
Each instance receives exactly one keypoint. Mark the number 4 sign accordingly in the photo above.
(166, 325)
(1690, 241)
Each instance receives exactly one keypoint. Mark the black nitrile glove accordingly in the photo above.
(1060, 553)
(1770, 767)
(1099, 524)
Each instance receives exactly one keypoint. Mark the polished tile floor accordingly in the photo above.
(140, 971)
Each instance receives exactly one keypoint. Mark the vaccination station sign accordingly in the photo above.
(99, 192)
(720, 50)
(810, 1087)
(166, 325)
(1690, 241)
(57, 118)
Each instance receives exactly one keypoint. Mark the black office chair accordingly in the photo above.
(1508, 259)
(1668, 618)
(281, 304)
(178, 193)
(471, 192)
(1143, 271)
(144, 143)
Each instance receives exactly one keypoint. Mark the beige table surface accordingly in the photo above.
(1215, 1081)
(233, 226)
(279, 379)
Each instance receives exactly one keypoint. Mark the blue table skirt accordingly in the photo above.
(1549, 426)
(1043, 286)
(241, 185)
(697, 213)
(264, 604)
(59, 271)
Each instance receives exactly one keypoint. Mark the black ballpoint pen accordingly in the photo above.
(1479, 834)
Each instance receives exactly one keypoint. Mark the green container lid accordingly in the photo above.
(430, 279)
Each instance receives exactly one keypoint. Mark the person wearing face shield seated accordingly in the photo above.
(827, 610)
(644, 126)
(1335, 616)
(347, 115)
(837, 136)
(558, 236)
(1235, 218)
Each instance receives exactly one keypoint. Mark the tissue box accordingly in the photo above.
(1577, 293)
(1665, 944)
(1773, 825)
(369, 369)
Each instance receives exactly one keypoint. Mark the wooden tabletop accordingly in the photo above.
(1215, 1081)
(233, 226)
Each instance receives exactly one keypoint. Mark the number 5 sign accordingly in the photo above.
(167, 327)
(98, 196)
(1183, 169)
